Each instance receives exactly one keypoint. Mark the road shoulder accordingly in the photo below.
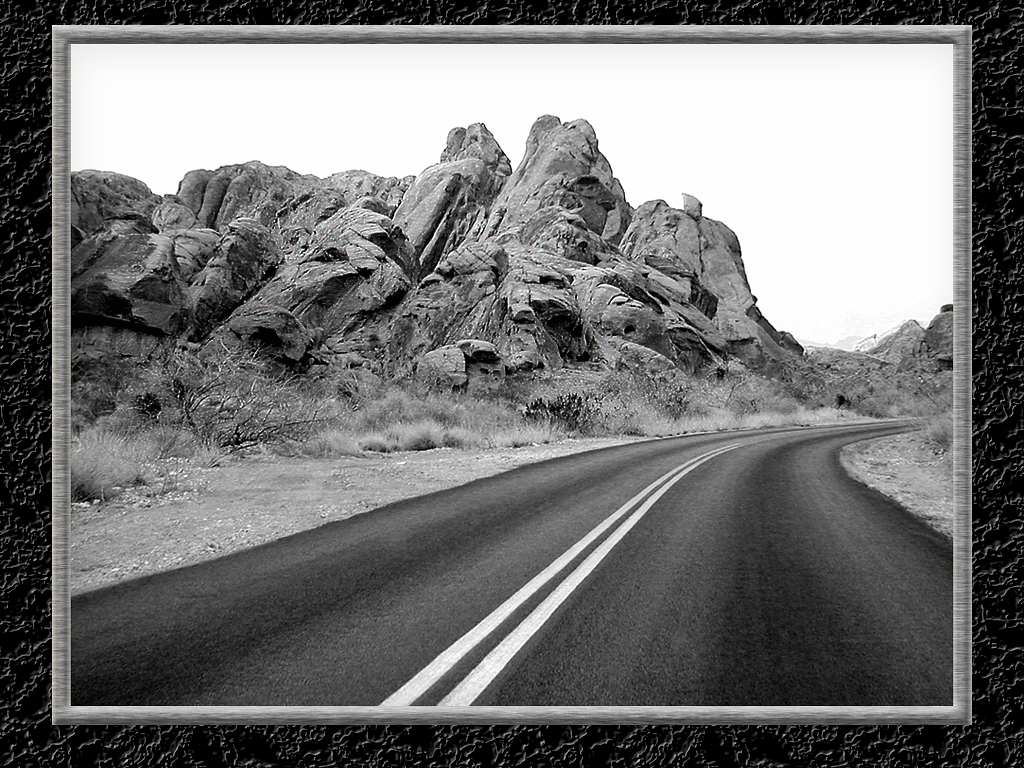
(911, 471)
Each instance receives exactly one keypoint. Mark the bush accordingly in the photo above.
(574, 411)
(939, 432)
(103, 464)
(234, 400)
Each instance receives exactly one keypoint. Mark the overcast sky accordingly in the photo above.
(832, 163)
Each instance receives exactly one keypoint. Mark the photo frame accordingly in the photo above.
(956, 36)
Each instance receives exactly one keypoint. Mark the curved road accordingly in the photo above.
(722, 569)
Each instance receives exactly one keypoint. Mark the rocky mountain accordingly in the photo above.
(911, 346)
(470, 268)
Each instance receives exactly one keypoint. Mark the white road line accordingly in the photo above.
(466, 692)
(440, 666)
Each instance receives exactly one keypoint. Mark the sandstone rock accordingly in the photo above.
(899, 344)
(445, 365)
(562, 158)
(703, 255)
(249, 190)
(193, 248)
(192, 189)
(449, 199)
(487, 256)
(271, 330)
(938, 339)
(484, 365)
(245, 258)
(788, 341)
(99, 196)
(172, 214)
(344, 283)
(548, 264)
(643, 360)
(359, 236)
(358, 185)
(130, 281)
(692, 206)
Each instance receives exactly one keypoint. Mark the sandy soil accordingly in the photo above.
(196, 513)
(908, 469)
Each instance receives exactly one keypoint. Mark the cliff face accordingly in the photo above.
(543, 266)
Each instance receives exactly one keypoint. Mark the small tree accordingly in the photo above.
(231, 398)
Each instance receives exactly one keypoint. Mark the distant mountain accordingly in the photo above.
(846, 343)
(908, 345)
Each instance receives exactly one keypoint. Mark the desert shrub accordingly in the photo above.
(97, 381)
(234, 400)
(573, 411)
(517, 437)
(103, 464)
(376, 442)
(170, 442)
(457, 437)
(939, 432)
(420, 436)
(329, 443)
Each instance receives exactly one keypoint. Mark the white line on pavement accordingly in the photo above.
(466, 692)
(440, 666)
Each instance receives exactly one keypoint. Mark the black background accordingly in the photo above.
(26, 733)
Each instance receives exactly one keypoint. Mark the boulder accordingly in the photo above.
(172, 214)
(938, 339)
(245, 258)
(692, 207)
(99, 196)
(129, 281)
(273, 331)
(445, 365)
(483, 361)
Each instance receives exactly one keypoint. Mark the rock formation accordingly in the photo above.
(470, 270)
(911, 347)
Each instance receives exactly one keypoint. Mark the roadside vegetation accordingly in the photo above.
(179, 403)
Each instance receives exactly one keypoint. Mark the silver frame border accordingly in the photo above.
(958, 36)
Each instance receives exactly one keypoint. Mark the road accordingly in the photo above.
(722, 569)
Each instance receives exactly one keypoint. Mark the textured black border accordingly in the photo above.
(995, 737)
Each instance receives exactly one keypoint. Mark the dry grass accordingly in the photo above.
(939, 432)
(103, 464)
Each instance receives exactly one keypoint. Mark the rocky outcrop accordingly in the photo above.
(938, 339)
(703, 256)
(911, 347)
(541, 267)
(129, 281)
(449, 199)
(563, 167)
(245, 257)
(98, 198)
(901, 343)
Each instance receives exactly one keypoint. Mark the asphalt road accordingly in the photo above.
(726, 569)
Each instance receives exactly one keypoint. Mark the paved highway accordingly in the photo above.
(723, 569)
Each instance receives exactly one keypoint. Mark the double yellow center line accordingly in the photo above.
(483, 674)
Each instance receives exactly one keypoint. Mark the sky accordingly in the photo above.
(832, 163)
